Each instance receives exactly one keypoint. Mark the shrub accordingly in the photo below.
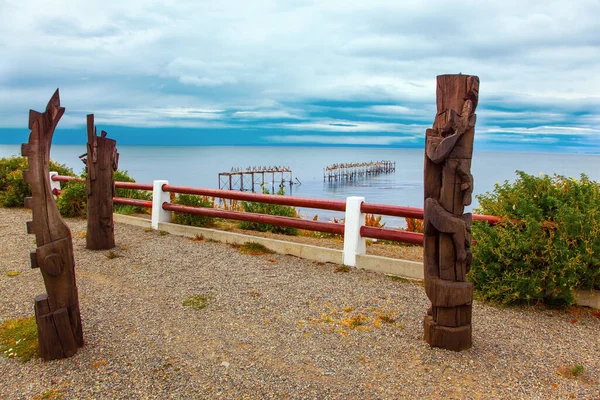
(550, 247)
(123, 176)
(269, 209)
(13, 188)
(192, 219)
(72, 201)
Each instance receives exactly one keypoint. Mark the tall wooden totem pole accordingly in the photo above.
(448, 189)
(101, 163)
(56, 312)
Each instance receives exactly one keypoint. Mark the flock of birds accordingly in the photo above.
(258, 168)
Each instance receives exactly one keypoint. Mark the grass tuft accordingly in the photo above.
(254, 249)
(197, 238)
(341, 268)
(197, 302)
(398, 279)
(112, 254)
(19, 339)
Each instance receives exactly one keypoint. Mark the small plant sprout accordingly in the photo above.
(577, 370)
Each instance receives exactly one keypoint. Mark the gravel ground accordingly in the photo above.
(275, 326)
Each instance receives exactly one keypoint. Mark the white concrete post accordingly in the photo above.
(353, 243)
(54, 184)
(158, 198)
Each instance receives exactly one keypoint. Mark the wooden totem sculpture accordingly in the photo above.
(448, 189)
(57, 312)
(102, 161)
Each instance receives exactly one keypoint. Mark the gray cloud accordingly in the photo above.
(128, 61)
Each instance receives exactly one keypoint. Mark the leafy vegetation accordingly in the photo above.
(13, 188)
(192, 219)
(548, 245)
(269, 209)
(72, 201)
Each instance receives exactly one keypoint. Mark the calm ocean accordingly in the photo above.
(199, 166)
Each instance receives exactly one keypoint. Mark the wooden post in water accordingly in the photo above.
(56, 312)
(102, 161)
(448, 187)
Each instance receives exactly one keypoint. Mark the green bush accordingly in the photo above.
(548, 246)
(192, 219)
(269, 209)
(13, 188)
(72, 201)
(123, 176)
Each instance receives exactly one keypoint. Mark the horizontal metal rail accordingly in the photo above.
(118, 184)
(62, 178)
(119, 200)
(133, 185)
(392, 211)
(392, 234)
(132, 202)
(306, 202)
(413, 212)
(328, 227)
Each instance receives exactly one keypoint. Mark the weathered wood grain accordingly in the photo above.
(57, 312)
(101, 162)
(448, 188)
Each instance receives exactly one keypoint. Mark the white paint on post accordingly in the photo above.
(158, 198)
(354, 244)
(54, 184)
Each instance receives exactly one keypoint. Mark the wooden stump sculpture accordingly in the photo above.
(448, 189)
(57, 312)
(102, 161)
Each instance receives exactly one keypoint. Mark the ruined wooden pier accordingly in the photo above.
(257, 176)
(352, 171)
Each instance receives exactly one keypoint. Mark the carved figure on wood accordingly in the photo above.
(57, 312)
(447, 230)
(101, 162)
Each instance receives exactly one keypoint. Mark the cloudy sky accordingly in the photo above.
(302, 72)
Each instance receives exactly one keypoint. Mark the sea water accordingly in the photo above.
(199, 166)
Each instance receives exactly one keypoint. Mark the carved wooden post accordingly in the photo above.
(448, 188)
(102, 160)
(57, 312)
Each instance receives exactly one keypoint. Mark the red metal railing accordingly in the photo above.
(328, 227)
